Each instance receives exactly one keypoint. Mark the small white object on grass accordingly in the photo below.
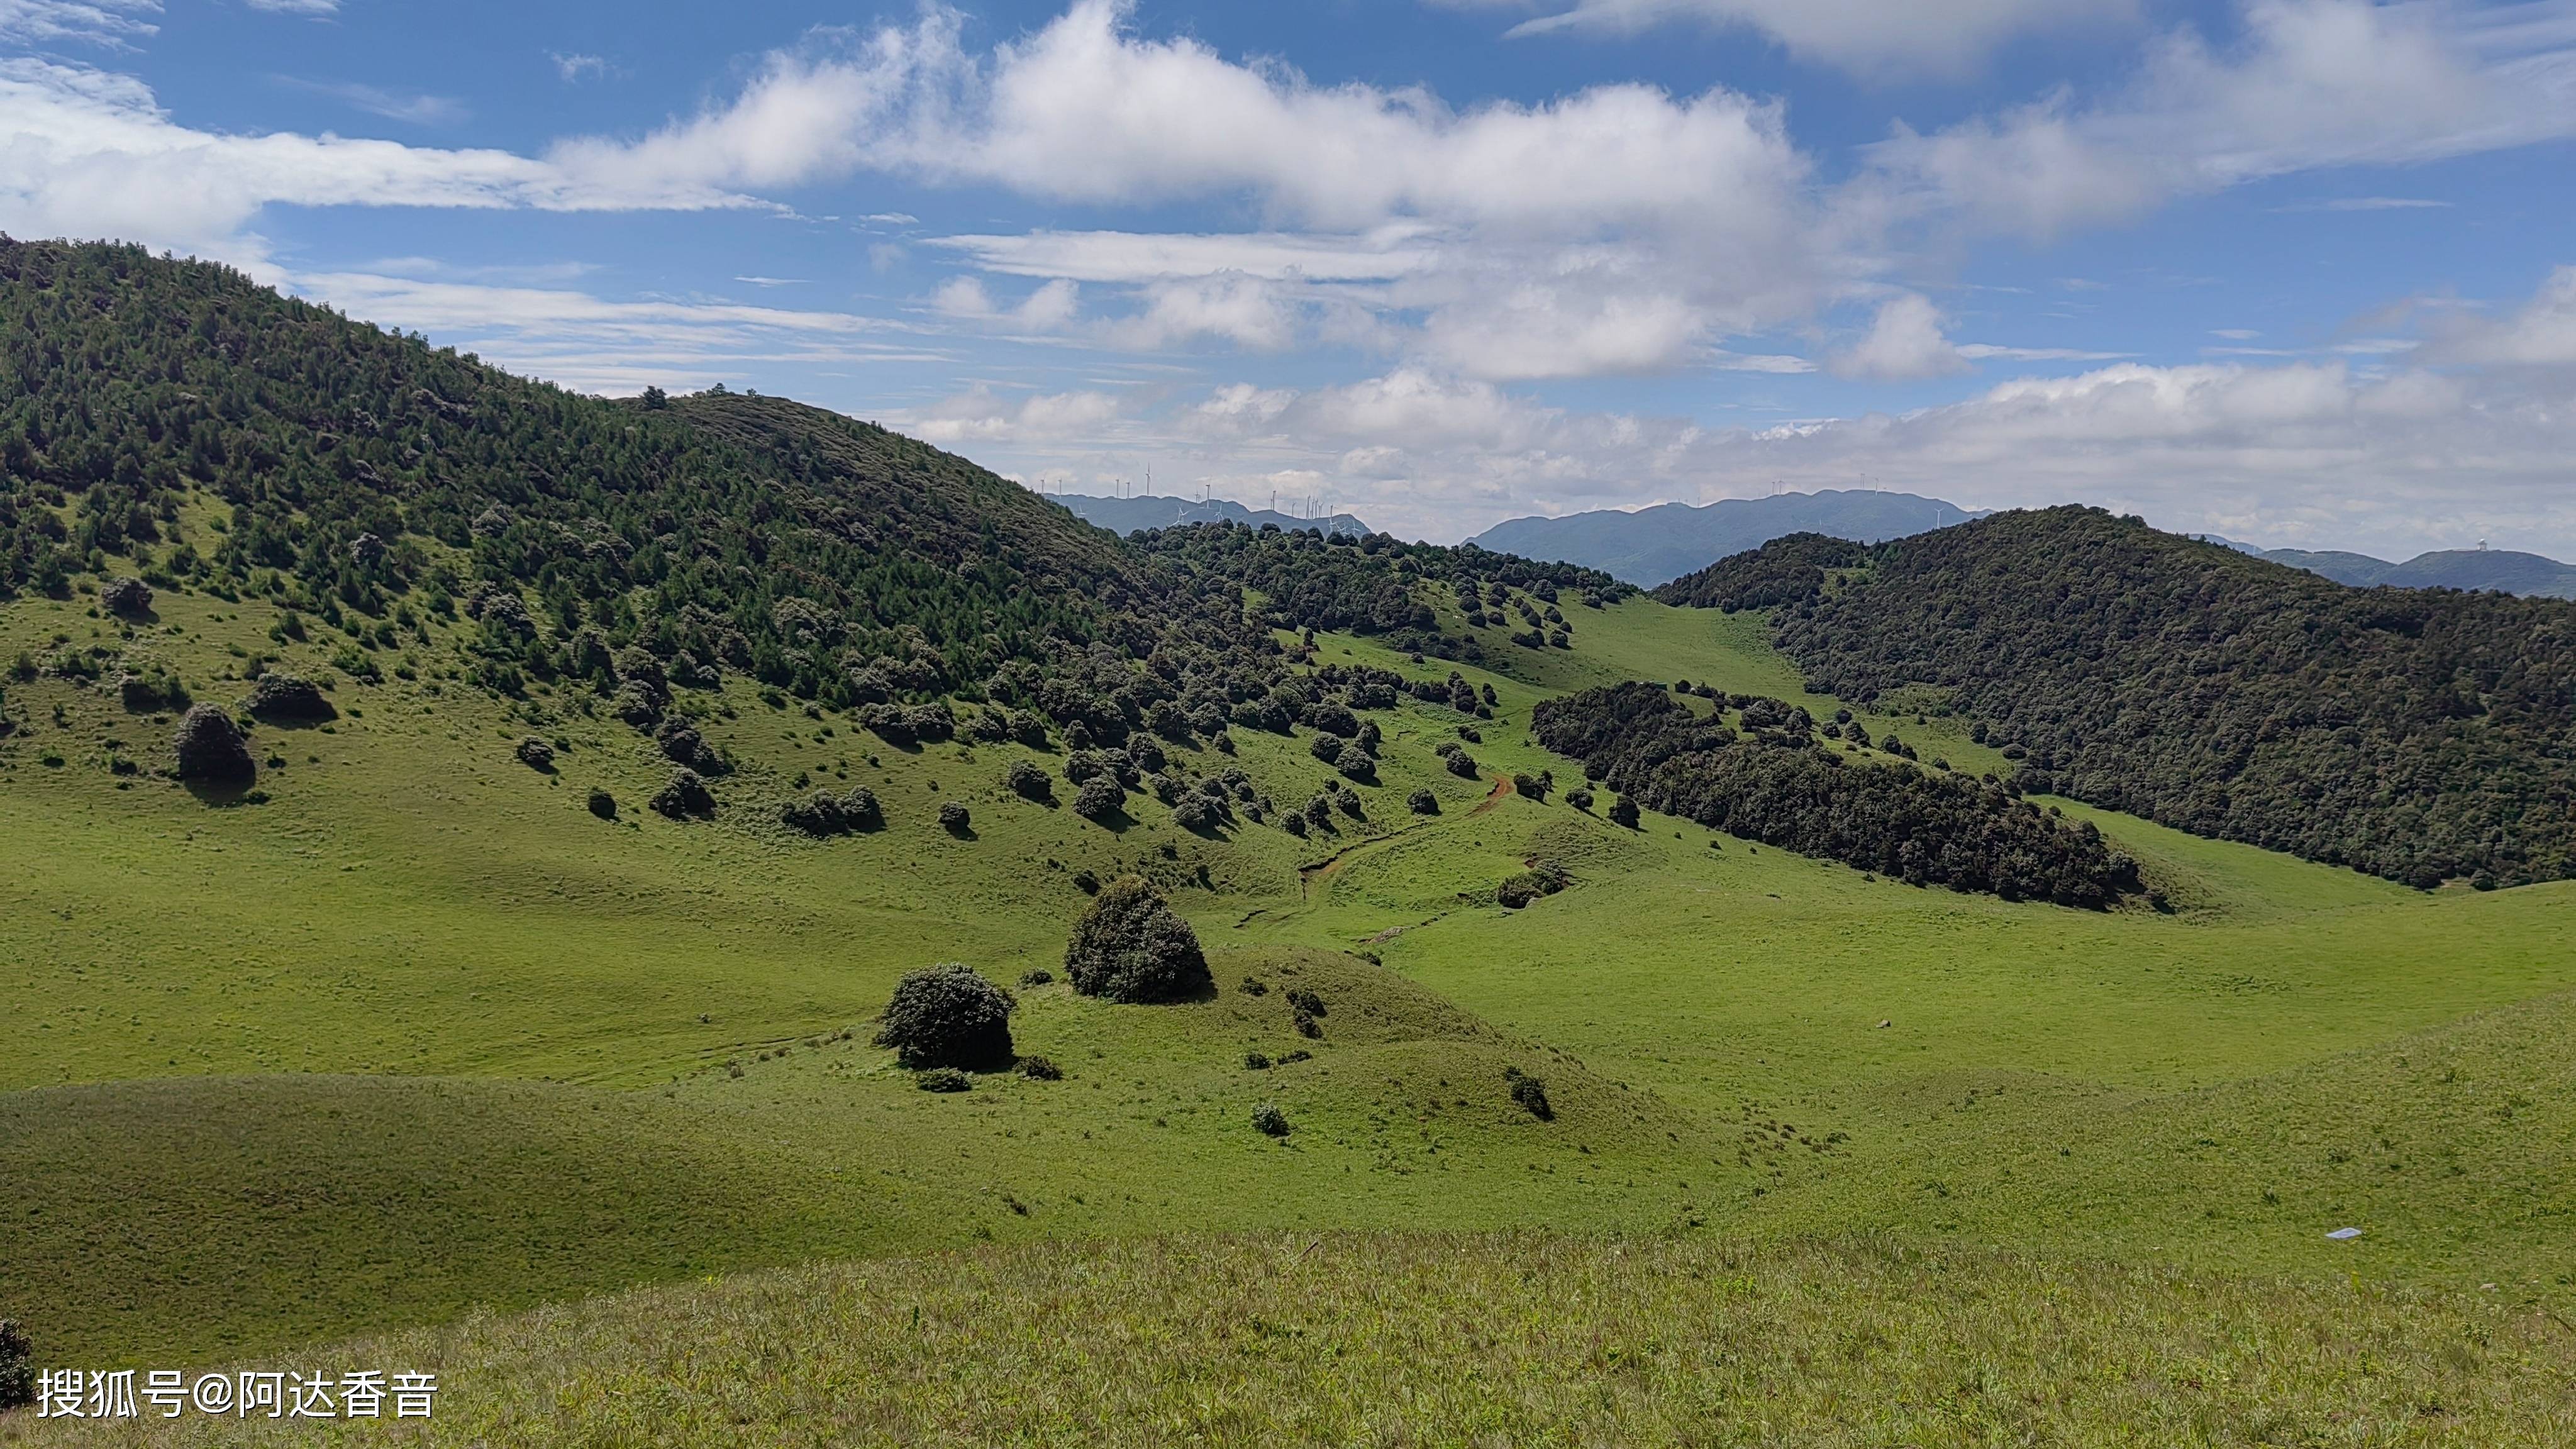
(2344, 1235)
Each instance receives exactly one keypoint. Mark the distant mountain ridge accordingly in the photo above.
(2502, 571)
(1653, 546)
(1126, 515)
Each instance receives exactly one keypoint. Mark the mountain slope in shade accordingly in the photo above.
(1126, 515)
(1653, 546)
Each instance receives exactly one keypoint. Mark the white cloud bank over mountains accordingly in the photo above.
(1617, 229)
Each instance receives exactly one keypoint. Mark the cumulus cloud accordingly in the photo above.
(1904, 344)
(1874, 37)
(2312, 84)
(2542, 333)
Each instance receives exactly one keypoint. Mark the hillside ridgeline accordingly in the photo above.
(2419, 735)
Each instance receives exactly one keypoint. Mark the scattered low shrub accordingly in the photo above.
(1086, 882)
(1541, 880)
(1269, 1120)
(1254, 986)
(1038, 976)
(1256, 1061)
(1422, 802)
(1579, 798)
(1531, 786)
(955, 818)
(603, 804)
(1463, 766)
(211, 749)
(948, 1016)
(1039, 1069)
(535, 753)
(943, 1079)
(1130, 946)
(1306, 1001)
(1624, 813)
(1529, 1093)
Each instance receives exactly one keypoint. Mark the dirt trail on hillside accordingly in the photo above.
(1331, 865)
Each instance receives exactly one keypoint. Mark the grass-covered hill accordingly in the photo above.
(2421, 735)
(433, 1030)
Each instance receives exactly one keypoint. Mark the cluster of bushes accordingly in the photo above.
(829, 814)
(1454, 757)
(1543, 878)
(2419, 735)
(685, 797)
(1790, 568)
(1926, 829)
(288, 698)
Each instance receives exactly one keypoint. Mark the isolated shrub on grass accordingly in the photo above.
(210, 748)
(288, 697)
(943, 1079)
(1130, 946)
(603, 804)
(1086, 882)
(154, 688)
(535, 753)
(1256, 1061)
(1301, 999)
(1039, 1069)
(1529, 885)
(1624, 813)
(1463, 765)
(1529, 1093)
(1269, 1120)
(1028, 781)
(948, 1016)
(125, 598)
(827, 814)
(1197, 812)
(1422, 802)
(955, 818)
(1100, 798)
(1036, 976)
(685, 796)
(17, 1365)
(1531, 786)
(1579, 798)
(1294, 825)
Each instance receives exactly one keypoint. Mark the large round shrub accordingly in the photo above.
(126, 598)
(1130, 947)
(286, 697)
(1028, 781)
(1100, 798)
(954, 818)
(210, 748)
(1423, 802)
(685, 796)
(948, 1016)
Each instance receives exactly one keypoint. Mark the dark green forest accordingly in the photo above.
(1773, 777)
(1787, 569)
(2422, 735)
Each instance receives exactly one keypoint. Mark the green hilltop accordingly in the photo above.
(408, 1046)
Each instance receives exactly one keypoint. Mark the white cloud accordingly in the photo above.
(2312, 84)
(978, 416)
(2540, 334)
(1873, 37)
(1116, 256)
(412, 107)
(315, 8)
(1049, 308)
(1904, 344)
(94, 22)
(574, 66)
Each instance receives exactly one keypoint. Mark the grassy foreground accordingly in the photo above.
(1498, 1339)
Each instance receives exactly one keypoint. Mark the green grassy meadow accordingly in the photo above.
(417, 1045)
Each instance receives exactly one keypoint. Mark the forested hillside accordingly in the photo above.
(2420, 735)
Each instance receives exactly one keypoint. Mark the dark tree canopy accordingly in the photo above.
(1921, 828)
(948, 1016)
(1786, 569)
(1130, 946)
(2417, 734)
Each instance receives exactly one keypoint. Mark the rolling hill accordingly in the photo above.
(2501, 571)
(436, 1042)
(1653, 546)
(1126, 515)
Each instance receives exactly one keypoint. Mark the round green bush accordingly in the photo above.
(948, 1016)
(1269, 1120)
(211, 749)
(536, 754)
(287, 697)
(1129, 946)
(1028, 782)
(943, 1079)
(955, 818)
(125, 598)
(1099, 799)
(603, 804)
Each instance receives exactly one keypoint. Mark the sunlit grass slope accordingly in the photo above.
(1522, 1340)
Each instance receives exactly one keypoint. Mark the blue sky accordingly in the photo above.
(2297, 271)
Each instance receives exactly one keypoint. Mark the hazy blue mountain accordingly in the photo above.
(1655, 545)
(1126, 515)
(2495, 570)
